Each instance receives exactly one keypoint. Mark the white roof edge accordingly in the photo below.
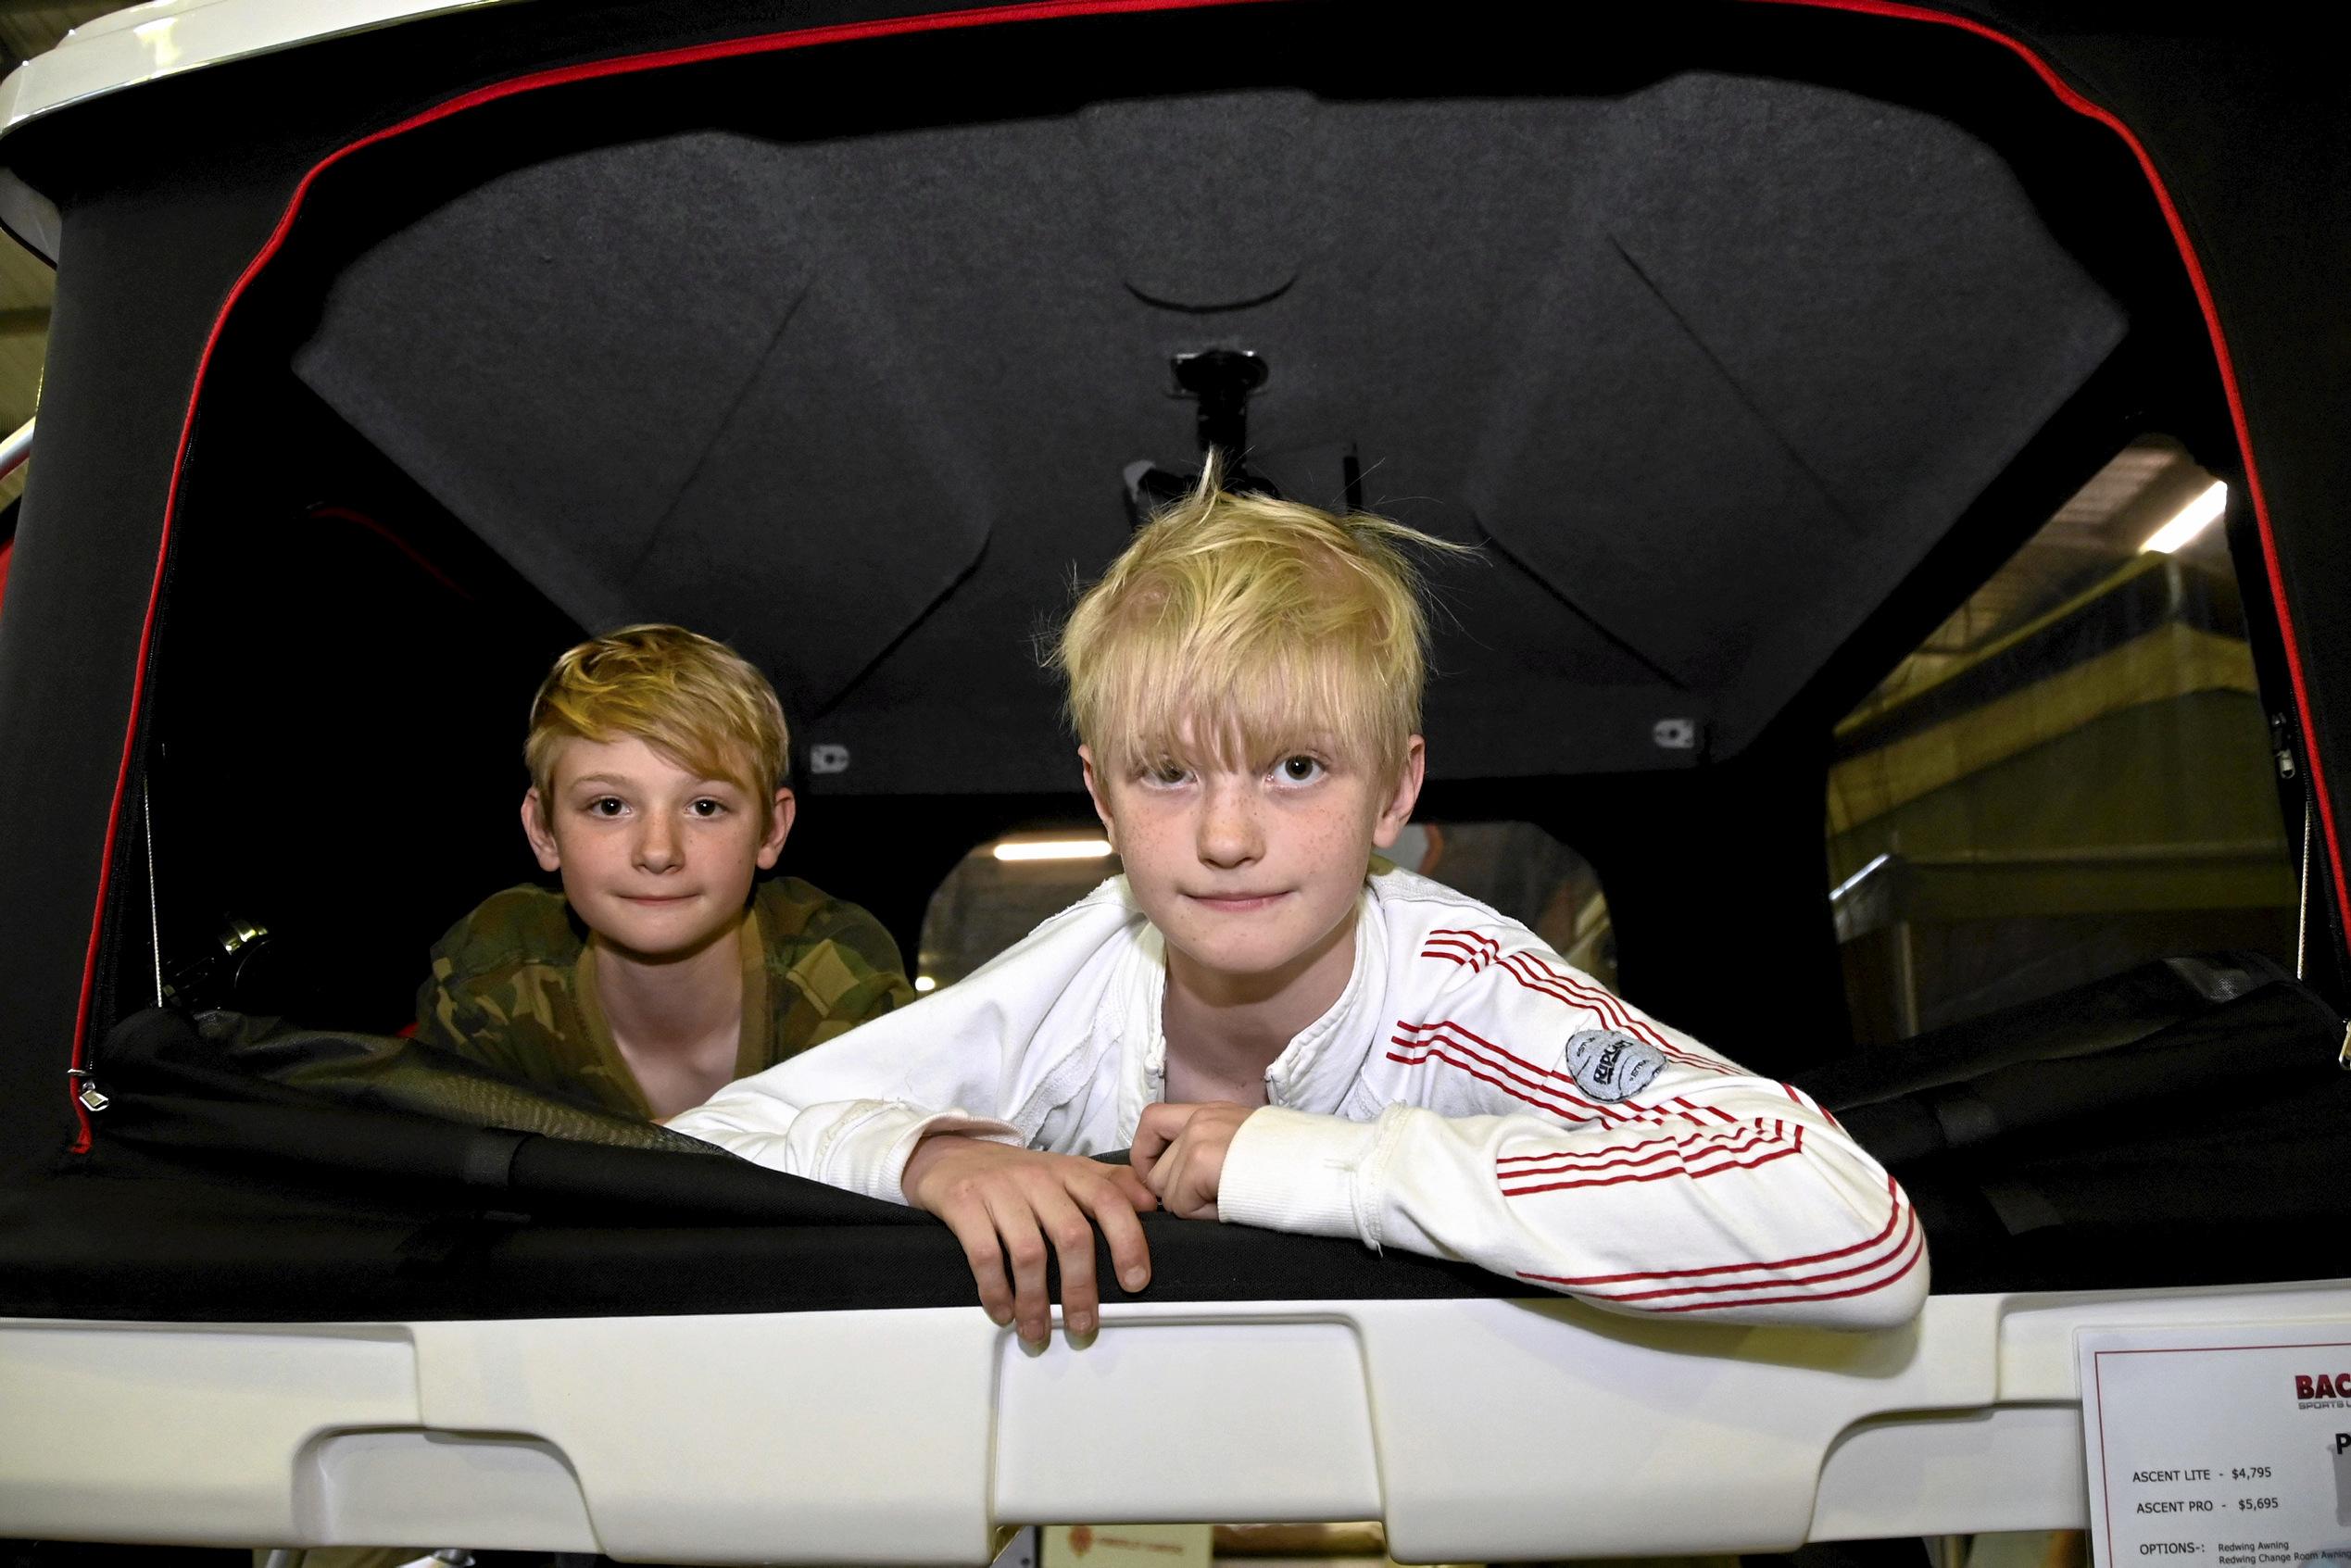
(160, 38)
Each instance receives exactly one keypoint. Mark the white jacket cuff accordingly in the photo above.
(1292, 1170)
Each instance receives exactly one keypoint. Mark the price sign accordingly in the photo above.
(2216, 1447)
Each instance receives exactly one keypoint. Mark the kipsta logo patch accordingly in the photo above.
(1609, 1064)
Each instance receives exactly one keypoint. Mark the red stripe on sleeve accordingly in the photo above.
(1796, 1147)
(1893, 1218)
(1900, 1247)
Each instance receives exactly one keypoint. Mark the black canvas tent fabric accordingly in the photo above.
(2247, 133)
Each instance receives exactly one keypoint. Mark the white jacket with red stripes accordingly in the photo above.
(1468, 1096)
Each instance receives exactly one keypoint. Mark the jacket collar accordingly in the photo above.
(1313, 1072)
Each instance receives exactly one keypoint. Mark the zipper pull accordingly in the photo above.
(2343, 1057)
(94, 1099)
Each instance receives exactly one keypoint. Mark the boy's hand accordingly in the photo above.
(1179, 1152)
(1008, 1205)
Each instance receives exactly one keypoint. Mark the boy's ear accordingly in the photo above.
(535, 828)
(1397, 810)
(1096, 789)
(779, 827)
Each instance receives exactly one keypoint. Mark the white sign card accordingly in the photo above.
(2218, 1447)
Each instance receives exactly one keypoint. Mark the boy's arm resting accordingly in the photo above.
(859, 1145)
(850, 1111)
(1770, 1221)
(1623, 1163)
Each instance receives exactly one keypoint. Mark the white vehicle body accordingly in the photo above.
(1477, 1430)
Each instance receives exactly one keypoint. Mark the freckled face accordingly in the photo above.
(657, 860)
(1247, 871)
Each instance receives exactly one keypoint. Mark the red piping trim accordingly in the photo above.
(2075, 100)
(984, 16)
(1909, 1234)
(1917, 1254)
(1893, 1218)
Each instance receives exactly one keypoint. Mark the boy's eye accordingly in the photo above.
(705, 806)
(1301, 768)
(606, 806)
(1165, 772)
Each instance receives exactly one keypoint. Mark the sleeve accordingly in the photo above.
(1544, 1129)
(867, 977)
(447, 1013)
(966, 1059)
(450, 1014)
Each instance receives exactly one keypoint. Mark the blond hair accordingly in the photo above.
(692, 699)
(1233, 625)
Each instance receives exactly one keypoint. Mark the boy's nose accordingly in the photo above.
(1229, 833)
(657, 847)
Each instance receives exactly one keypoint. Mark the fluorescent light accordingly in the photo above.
(926, 982)
(2193, 518)
(1052, 849)
(1857, 878)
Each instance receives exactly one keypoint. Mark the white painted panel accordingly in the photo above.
(2037, 1362)
(141, 1432)
(804, 1437)
(1481, 1430)
(174, 36)
(1549, 1429)
(1220, 1419)
(1966, 1473)
(439, 1488)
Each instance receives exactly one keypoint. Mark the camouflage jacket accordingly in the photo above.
(512, 987)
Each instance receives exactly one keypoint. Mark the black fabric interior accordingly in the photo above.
(859, 398)
(324, 1176)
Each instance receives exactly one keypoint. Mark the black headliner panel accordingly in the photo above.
(860, 403)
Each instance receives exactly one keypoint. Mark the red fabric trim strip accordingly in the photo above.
(1429, 1051)
(1668, 1175)
(984, 16)
(1701, 1136)
(1717, 1141)
(2075, 100)
(1893, 1218)
(1918, 1254)
(1538, 976)
(1909, 1236)
(1743, 1141)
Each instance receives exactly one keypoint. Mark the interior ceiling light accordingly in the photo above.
(1052, 849)
(2193, 518)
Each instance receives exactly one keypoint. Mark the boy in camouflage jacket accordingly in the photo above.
(657, 761)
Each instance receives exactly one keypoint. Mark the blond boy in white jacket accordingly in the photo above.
(1287, 1040)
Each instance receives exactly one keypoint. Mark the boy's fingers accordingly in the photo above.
(1137, 1193)
(1186, 1192)
(1158, 1127)
(1130, 1254)
(1073, 1238)
(1025, 1251)
(972, 1226)
(1177, 1191)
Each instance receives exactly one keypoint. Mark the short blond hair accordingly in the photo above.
(1233, 625)
(692, 699)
